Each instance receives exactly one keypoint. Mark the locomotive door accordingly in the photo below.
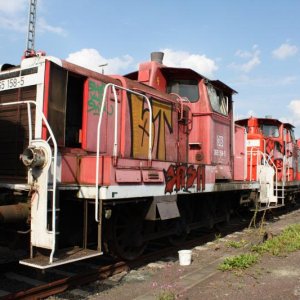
(93, 97)
(221, 143)
(221, 134)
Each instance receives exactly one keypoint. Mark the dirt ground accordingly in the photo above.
(271, 278)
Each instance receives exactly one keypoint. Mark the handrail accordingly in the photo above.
(41, 114)
(266, 160)
(181, 100)
(115, 148)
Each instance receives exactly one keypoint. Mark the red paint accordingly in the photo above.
(85, 114)
(277, 146)
(239, 153)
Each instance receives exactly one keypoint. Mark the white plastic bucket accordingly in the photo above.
(185, 257)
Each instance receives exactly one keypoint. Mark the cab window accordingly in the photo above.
(270, 130)
(293, 136)
(218, 101)
(184, 88)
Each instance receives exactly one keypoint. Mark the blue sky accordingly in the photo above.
(253, 46)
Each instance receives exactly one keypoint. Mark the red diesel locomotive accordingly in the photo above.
(272, 159)
(93, 163)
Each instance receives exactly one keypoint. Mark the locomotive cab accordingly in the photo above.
(210, 103)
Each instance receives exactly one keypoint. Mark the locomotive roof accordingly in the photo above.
(88, 72)
(139, 86)
(186, 72)
(116, 79)
(261, 120)
(223, 86)
(264, 120)
(182, 73)
(288, 125)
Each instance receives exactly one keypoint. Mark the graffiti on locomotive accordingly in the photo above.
(182, 177)
(96, 90)
(161, 123)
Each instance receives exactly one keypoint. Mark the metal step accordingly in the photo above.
(61, 257)
(266, 207)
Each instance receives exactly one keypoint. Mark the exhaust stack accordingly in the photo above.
(157, 57)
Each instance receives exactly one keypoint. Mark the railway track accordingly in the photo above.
(20, 282)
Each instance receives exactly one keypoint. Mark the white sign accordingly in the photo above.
(253, 143)
(18, 82)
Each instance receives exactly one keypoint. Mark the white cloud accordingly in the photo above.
(294, 107)
(91, 59)
(183, 59)
(14, 16)
(284, 51)
(13, 24)
(253, 59)
(294, 116)
(13, 7)
(43, 26)
(243, 54)
(250, 113)
(288, 80)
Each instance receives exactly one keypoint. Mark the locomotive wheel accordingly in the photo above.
(126, 232)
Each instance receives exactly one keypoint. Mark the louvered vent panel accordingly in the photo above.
(14, 131)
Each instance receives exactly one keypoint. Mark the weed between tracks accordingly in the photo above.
(236, 244)
(241, 261)
(166, 295)
(286, 242)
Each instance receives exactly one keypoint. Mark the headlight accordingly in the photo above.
(33, 157)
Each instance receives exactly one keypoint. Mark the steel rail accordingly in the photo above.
(61, 285)
(64, 284)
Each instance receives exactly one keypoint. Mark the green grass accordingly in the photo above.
(236, 244)
(239, 262)
(166, 295)
(288, 241)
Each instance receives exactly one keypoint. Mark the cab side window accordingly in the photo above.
(218, 101)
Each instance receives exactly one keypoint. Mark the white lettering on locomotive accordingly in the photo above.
(253, 143)
(18, 82)
(218, 152)
(220, 141)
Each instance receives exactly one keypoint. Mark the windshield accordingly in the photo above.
(270, 130)
(218, 101)
(184, 88)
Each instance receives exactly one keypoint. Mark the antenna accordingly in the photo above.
(31, 29)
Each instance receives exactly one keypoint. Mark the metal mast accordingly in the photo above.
(31, 28)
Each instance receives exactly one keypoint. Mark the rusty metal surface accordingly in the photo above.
(62, 285)
(14, 213)
(89, 73)
(14, 130)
